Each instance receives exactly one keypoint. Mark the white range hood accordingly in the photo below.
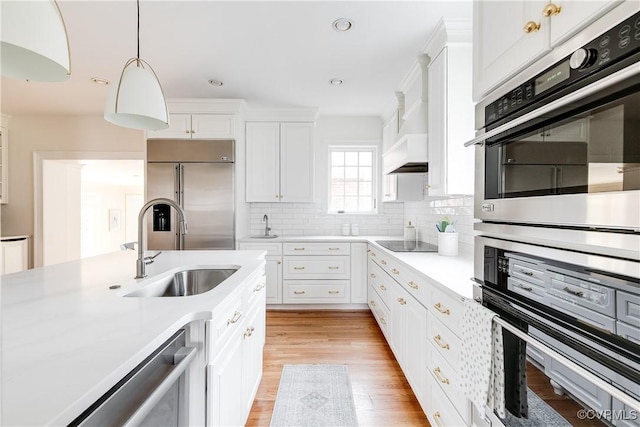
(409, 153)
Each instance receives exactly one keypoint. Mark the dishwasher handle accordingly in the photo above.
(181, 359)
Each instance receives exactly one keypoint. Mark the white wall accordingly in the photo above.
(61, 211)
(98, 199)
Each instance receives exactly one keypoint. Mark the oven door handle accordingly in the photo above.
(603, 83)
(181, 359)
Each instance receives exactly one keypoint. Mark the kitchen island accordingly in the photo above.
(67, 337)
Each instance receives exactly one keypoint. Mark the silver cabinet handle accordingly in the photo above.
(572, 292)
(526, 288)
(334, 268)
(334, 249)
(235, 318)
(182, 358)
(298, 249)
(298, 292)
(334, 292)
(298, 268)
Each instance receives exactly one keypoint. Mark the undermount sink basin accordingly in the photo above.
(270, 236)
(185, 283)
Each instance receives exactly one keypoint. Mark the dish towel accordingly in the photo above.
(481, 376)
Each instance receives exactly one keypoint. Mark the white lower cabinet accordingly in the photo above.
(235, 342)
(273, 268)
(421, 322)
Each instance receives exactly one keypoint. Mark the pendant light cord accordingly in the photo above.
(138, 3)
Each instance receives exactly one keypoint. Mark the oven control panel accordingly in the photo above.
(616, 44)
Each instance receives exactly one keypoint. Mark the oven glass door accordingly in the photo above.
(593, 149)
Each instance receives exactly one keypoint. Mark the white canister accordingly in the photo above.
(345, 229)
(355, 230)
(448, 244)
(409, 233)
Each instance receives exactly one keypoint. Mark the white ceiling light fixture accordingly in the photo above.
(342, 24)
(137, 101)
(335, 82)
(34, 44)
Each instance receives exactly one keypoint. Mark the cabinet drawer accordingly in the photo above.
(446, 309)
(528, 289)
(444, 341)
(379, 280)
(414, 283)
(316, 248)
(271, 248)
(380, 311)
(441, 411)
(223, 325)
(628, 308)
(581, 313)
(580, 293)
(316, 267)
(447, 378)
(632, 333)
(315, 291)
(526, 271)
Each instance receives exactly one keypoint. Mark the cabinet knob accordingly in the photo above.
(187, 131)
(394, 271)
(427, 186)
(402, 301)
(193, 131)
(551, 10)
(373, 303)
(531, 27)
(383, 288)
(412, 285)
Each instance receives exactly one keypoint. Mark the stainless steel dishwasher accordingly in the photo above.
(152, 394)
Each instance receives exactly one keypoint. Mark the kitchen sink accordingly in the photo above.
(270, 236)
(185, 283)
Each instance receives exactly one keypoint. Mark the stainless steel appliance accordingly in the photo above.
(562, 147)
(153, 394)
(407, 246)
(199, 176)
(557, 254)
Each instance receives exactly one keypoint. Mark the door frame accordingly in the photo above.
(38, 158)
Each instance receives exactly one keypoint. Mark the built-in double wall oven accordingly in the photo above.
(557, 248)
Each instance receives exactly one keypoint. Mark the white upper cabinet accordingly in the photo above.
(196, 126)
(279, 166)
(508, 36)
(451, 110)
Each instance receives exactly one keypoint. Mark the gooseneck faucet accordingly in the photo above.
(142, 260)
(265, 219)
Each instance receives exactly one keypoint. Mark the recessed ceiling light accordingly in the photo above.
(99, 81)
(335, 82)
(216, 83)
(342, 24)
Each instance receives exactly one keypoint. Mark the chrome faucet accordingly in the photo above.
(142, 260)
(267, 229)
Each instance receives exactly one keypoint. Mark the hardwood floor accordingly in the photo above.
(381, 393)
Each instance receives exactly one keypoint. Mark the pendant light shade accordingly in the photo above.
(137, 101)
(34, 41)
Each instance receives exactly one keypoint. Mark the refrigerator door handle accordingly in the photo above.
(180, 201)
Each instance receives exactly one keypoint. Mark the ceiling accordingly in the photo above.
(276, 54)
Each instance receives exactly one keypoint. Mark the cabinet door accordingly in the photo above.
(4, 170)
(358, 273)
(437, 123)
(179, 127)
(211, 126)
(501, 45)
(398, 321)
(415, 346)
(263, 162)
(252, 351)
(14, 256)
(296, 162)
(274, 279)
(224, 386)
(574, 15)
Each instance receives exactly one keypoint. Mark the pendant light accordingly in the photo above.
(34, 43)
(137, 101)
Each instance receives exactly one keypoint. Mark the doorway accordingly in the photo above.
(86, 204)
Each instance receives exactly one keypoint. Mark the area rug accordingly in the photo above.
(540, 414)
(314, 395)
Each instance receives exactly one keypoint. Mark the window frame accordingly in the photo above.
(375, 165)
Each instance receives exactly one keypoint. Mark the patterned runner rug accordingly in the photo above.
(314, 395)
(540, 414)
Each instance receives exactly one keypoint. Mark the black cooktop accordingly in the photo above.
(402, 246)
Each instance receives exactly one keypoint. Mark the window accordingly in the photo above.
(351, 179)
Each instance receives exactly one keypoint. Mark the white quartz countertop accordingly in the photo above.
(452, 272)
(67, 338)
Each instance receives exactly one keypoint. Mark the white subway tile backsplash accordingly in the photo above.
(310, 219)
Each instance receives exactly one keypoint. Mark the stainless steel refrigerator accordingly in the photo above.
(199, 176)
